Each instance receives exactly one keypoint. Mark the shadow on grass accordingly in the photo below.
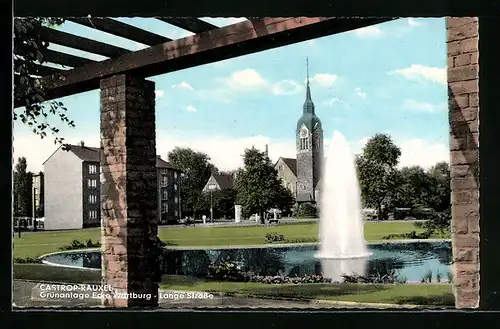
(47, 273)
(446, 300)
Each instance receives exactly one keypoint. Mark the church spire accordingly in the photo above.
(308, 104)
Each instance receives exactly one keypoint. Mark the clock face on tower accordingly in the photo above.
(303, 132)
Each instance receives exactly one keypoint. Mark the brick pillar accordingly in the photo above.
(463, 70)
(129, 190)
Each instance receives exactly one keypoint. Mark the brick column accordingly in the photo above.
(463, 76)
(129, 190)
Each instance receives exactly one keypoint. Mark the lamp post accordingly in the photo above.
(211, 187)
(34, 209)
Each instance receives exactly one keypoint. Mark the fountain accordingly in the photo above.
(342, 243)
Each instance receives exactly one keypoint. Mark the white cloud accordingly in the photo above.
(190, 108)
(249, 80)
(159, 93)
(246, 80)
(323, 79)
(414, 152)
(418, 72)
(140, 46)
(286, 87)
(414, 22)
(371, 31)
(331, 101)
(360, 93)
(183, 85)
(223, 21)
(225, 151)
(413, 105)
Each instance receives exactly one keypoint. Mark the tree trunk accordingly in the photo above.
(379, 212)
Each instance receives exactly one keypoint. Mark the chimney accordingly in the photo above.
(267, 151)
(82, 144)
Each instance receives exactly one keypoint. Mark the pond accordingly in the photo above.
(411, 260)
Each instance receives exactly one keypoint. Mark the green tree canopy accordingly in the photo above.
(22, 182)
(376, 168)
(258, 186)
(30, 50)
(196, 169)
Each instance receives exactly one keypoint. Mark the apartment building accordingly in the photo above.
(72, 188)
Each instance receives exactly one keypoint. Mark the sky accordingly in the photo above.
(386, 78)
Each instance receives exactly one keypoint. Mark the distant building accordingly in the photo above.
(37, 194)
(169, 203)
(72, 188)
(219, 182)
(287, 172)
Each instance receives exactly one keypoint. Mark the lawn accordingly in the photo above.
(34, 244)
(417, 294)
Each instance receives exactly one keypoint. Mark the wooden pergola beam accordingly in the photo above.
(120, 29)
(208, 47)
(81, 43)
(57, 57)
(191, 24)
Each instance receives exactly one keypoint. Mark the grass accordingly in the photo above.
(439, 295)
(35, 244)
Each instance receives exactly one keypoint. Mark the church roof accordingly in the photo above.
(292, 164)
(308, 118)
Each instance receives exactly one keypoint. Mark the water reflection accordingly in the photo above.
(409, 260)
(336, 268)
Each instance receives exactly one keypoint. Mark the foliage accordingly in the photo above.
(438, 222)
(427, 277)
(22, 181)
(258, 186)
(289, 280)
(376, 171)
(29, 51)
(306, 210)
(274, 237)
(226, 271)
(80, 245)
(196, 170)
(222, 202)
(27, 260)
(387, 278)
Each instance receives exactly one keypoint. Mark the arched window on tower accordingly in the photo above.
(304, 140)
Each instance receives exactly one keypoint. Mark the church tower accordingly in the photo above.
(309, 138)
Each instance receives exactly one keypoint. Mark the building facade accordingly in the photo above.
(220, 181)
(169, 203)
(37, 195)
(287, 173)
(72, 189)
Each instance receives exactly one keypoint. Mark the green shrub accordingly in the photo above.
(226, 271)
(27, 260)
(274, 237)
(307, 210)
(388, 278)
(80, 245)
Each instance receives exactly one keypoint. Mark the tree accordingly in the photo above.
(222, 202)
(376, 170)
(258, 186)
(22, 189)
(30, 50)
(441, 190)
(195, 171)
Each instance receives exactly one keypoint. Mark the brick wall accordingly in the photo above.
(129, 190)
(463, 70)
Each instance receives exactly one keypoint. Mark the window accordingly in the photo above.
(163, 170)
(92, 169)
(175, 174)
(164, 207)
(175, 186)
(176, 213)
(318, 144)
(304, 143)
(92, 183)
(164, 180)
(92, 198)
(164, 195)
(93, 214)
(176, 200)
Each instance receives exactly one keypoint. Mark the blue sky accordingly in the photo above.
(388, 78)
